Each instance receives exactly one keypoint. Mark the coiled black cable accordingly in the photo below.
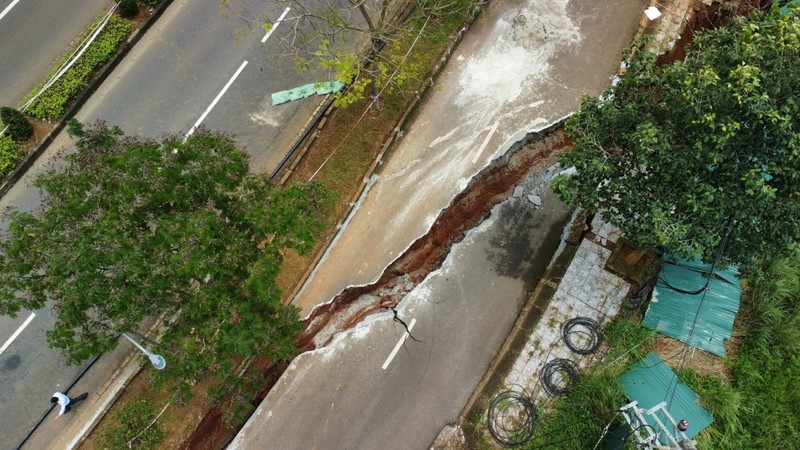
(511, 418)
(584, 327)
(567, 372)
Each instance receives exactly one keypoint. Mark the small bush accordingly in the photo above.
(10, 154)
(150, 3)
(130, 429)
(19, 127)
(128, 8)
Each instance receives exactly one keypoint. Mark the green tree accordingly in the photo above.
(345, 41)
(671, 154)
(19, 127)
(134, 228)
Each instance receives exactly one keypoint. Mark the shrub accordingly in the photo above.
(128, 8)
(19, 127)
(131, 428)
(150, 3)
(51, 104)
(10, 154)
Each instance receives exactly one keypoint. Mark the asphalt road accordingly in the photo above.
(342, 397)
(166, 84)
(174, 74)
(33, 34)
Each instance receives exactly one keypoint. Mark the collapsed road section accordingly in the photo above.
(423, 257)
(491, 186)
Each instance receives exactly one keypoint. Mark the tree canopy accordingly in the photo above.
(134, 228)
(672, 154)
(344, 41)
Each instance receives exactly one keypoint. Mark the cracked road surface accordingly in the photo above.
(341, 397)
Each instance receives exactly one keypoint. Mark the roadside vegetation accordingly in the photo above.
(133, 228)
(51, 104)
(757, 408)
(134, 427)
(10, 154)
(337, 160)
(689, 154)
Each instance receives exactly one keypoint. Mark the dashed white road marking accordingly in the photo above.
(214, 103)
(8, 8)
(485, 142)
(16, 333)
(399, 344)
(275, 25)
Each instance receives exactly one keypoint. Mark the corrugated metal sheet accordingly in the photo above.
(651, 382)
(673, 311)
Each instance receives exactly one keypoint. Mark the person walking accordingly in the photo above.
(64, 401)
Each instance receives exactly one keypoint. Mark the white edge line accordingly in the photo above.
(485, 142)
(16, 333)
(8, 8)
(285, 11)
(108, 397)
(399, 344)
(214, 103)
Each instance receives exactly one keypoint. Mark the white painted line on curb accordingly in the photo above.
(214, 103)
(16, 333)
(399, 344)
(8, 8)
(275, 25)
(485, 142)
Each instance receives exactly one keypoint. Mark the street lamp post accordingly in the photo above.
(158, 361)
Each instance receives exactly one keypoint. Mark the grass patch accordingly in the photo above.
(134, 428)
(577, 421)
(176, 423)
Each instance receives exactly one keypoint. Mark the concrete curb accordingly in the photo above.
(79, 101)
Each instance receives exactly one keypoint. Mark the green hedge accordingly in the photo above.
(50, 105)
(10, 154)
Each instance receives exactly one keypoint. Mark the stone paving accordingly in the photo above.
(586, 290)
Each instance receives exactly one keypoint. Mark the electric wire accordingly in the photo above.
(585, 327)
(567, 373)
(511, 418)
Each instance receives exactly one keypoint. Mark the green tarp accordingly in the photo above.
(677, 311)
(307, 90)
(651, 382)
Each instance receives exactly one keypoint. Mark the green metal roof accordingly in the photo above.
(651, 382)
(675, 309)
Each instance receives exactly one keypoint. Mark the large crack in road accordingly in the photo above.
(467, 210)
(426, 254)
